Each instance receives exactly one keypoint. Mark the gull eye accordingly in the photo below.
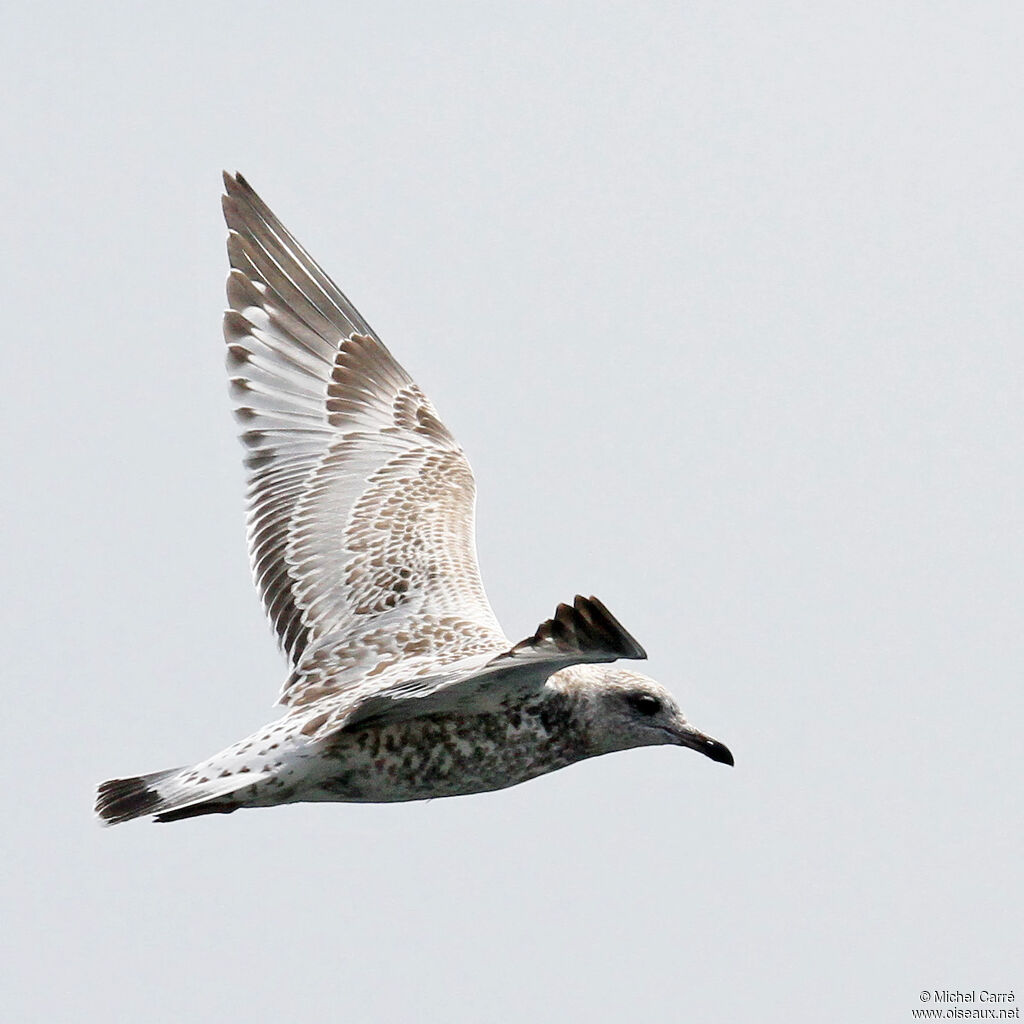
(644, 703)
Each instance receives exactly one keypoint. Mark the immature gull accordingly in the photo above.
(361, 505)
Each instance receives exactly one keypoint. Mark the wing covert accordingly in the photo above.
(582, 633)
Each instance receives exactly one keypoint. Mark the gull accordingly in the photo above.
(361, 504)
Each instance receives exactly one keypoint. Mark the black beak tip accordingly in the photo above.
(719, 752)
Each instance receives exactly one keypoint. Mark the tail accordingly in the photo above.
(161, 794)
(123, 799)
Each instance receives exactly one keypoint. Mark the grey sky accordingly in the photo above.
(724, 304)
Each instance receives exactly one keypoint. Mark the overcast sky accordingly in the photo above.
(724, 304)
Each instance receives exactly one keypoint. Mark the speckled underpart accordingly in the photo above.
(419, 759)
(452, 755)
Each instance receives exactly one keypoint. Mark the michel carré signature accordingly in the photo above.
(946, 995)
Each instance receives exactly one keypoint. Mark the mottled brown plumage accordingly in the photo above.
(361, 534)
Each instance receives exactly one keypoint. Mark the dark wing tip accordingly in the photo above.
(240, 197)
(600, 619)
(587, 628)
(235, 183)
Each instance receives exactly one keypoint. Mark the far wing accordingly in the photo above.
(361, 503)
(583, 632)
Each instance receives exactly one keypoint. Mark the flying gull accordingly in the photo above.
(402, 685)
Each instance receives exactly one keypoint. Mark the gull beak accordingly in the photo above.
(687, 736)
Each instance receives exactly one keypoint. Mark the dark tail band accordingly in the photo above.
(120, 800)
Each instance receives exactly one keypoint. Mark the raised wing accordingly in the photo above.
(361, 503)
(585, 632)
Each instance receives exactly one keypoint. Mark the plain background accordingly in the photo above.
(724, 303)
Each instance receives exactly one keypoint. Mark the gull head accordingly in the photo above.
(624, 709)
